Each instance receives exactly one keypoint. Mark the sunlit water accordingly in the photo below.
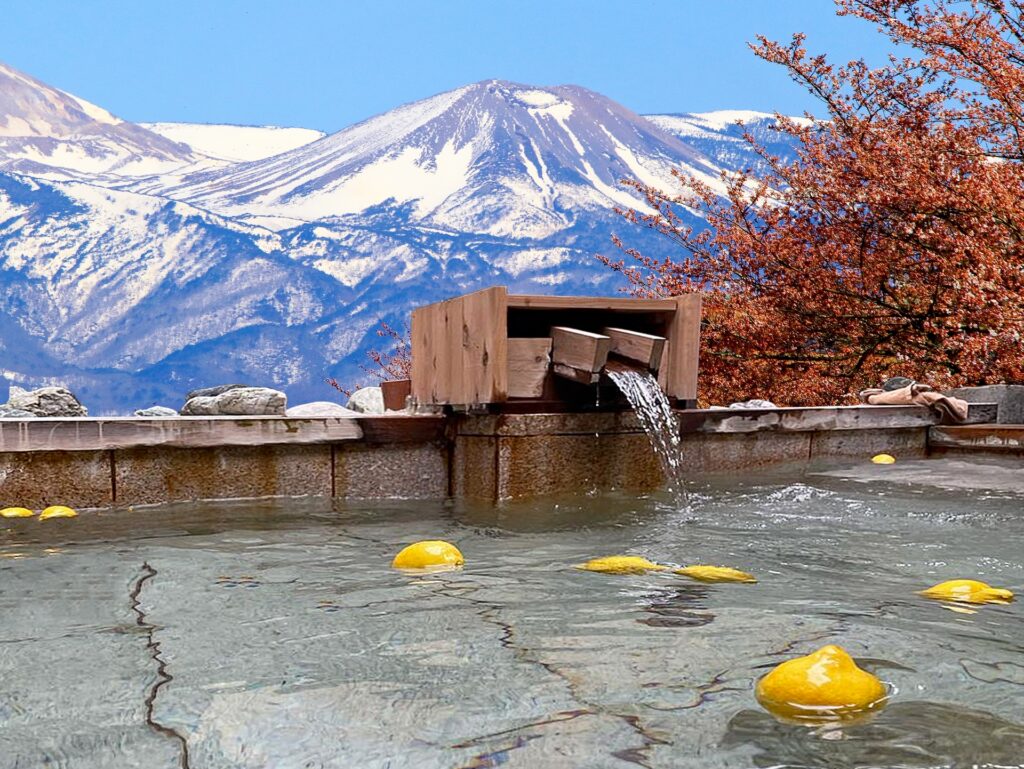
(654, 412)
(266, 636)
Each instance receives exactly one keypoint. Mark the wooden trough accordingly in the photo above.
(491, 348)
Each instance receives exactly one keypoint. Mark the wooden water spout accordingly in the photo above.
(516, 353)
(578, 355)
(583, 356)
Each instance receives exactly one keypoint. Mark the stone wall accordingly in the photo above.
(121, 462)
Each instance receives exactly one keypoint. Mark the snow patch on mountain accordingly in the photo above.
(236, 143)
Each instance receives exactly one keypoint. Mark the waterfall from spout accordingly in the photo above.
(655, 415)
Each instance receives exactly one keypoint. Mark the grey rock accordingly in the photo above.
(47, 402)
(209, 392)
(367, 400)
(753, 403)
(320, 409)
(156, 411)
(1009, 397)
(241, 402)
(7, 412)
(896, 383)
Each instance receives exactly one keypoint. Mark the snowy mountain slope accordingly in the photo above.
(235, 143)
(718, 136)
(47, 132)
(111, 279)
(495, 158)
(160, 265)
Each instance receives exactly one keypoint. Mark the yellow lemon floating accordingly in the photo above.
(715, 574)
(883, 459)
(57, 511)
(826, 685)
(16, 512)
(968, 591)
(621, 564)
(433, 554)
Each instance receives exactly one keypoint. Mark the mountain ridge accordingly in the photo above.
(136, 285)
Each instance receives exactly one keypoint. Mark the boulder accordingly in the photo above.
(241, 402)
(320, 409)
(6, 412)
(753, 403)
(47, 402)
(156, 411)
(209, 392)
(367, 400)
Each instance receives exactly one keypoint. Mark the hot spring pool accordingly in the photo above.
(276, 635)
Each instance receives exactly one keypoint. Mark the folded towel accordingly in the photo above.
(951, 410)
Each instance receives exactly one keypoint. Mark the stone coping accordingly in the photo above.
(110, 433)
(102, 433)
(726, 421)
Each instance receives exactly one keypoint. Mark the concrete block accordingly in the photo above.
(401, 471)
(1009, 398)
(902, 443)
(704, 453)
(979, 438)
(475, 468)
(42, 478)
(161, 474)
(556, 464)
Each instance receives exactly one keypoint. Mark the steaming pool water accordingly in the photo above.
(277, 635)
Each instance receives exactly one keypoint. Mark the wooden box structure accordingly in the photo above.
(492, 347)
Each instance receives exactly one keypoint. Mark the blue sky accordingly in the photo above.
(326, 64)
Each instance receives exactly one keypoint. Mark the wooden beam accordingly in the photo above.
(684, 338)
(575, 374)
(645, 349)
(621, 304)
(528, 363)
(577, 349)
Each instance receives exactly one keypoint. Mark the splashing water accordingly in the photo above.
(655, 415)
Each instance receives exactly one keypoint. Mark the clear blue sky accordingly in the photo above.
(329, 63)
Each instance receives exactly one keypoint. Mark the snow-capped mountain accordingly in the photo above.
(191, 255)
(50, 133)
(493, 158)
(720, 136)
(235, 143)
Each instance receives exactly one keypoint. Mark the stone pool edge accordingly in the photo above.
(123, 461)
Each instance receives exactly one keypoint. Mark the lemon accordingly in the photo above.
(16, 512)
(431, 554)
(57, 511)
(968, 591)
(715, 574)
(824, 685)
(621, 564)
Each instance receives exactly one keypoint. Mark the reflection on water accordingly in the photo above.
(276, 635)
(677, 607)
(904, 734)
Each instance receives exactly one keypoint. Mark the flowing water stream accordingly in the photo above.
(654, 413)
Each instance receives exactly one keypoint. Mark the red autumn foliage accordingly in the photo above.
(892, 245)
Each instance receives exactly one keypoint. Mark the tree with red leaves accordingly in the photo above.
(892, 245)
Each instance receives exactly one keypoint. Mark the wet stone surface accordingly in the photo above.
(248, 635)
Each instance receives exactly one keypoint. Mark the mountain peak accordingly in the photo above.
(30, 107)
(493, 157)
(51, 133)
